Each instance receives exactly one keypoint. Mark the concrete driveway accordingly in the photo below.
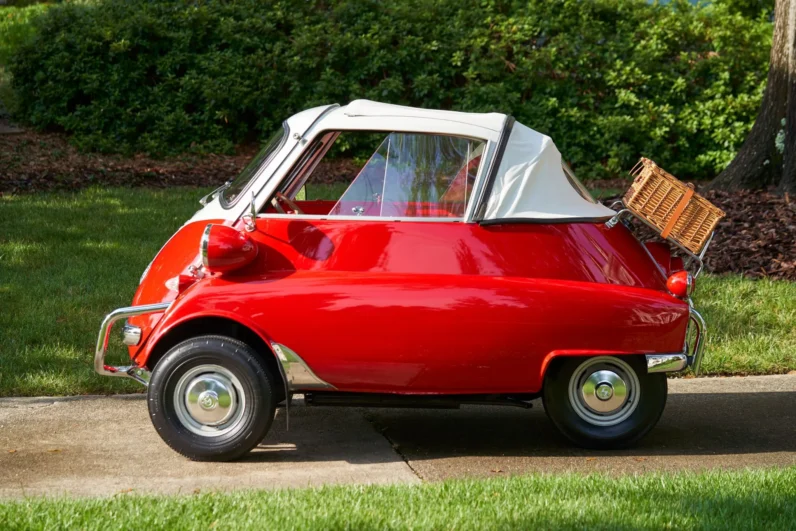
(104, 446)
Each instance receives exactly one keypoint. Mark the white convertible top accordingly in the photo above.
(530, 183)
(374, 109)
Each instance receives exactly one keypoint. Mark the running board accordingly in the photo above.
(379, 400)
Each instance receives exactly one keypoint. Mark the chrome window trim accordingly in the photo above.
(483, 170)
(359, 218)
(300, 142)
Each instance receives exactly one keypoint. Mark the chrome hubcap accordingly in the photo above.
(209, 400)
(604, 391)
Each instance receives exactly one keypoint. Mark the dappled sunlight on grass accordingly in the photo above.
(67, 259)
(751, 324)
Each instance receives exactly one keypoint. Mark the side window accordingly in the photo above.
(402, 175)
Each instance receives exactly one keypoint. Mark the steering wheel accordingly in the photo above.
(279, 196)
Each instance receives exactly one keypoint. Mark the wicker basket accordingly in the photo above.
(671, 206)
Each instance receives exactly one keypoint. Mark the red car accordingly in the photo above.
(461, 263)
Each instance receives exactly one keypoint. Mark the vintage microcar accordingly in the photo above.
(462, 263)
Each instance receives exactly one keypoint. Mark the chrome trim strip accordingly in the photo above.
(699, 342)
(358, 218)
(666, 362)
(127, 371)
(297, 373)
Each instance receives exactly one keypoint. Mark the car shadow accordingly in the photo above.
(693, 424)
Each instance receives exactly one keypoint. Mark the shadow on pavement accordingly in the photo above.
(698, 424)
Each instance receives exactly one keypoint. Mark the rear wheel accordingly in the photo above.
(604, 401)
(211, 399)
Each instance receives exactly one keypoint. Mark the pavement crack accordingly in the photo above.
(371, 419)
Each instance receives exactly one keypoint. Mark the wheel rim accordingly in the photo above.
(604, 391)
(209, 400)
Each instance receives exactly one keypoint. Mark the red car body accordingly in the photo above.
(427, 308)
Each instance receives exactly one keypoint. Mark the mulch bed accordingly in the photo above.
(757, 238)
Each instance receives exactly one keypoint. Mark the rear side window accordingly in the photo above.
(231, 193)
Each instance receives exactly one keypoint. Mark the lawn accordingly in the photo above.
(67, 259)
(762, 499)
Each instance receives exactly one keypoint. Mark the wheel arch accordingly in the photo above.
(214, 325)
(557, 356)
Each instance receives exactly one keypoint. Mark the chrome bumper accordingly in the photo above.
(678, 362)
(127, 371)
(695, 359)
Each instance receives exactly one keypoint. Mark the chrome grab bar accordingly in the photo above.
(127, 371)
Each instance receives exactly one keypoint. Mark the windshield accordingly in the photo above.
(231, 193)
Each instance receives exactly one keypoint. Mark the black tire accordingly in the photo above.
(252, 395)
(580, 424)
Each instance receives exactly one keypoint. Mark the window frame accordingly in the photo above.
(298, 168)
(227, 205)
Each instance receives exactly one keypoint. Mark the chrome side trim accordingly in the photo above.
(127, 371)
(699, 342)
(666, 362)
(298, 375)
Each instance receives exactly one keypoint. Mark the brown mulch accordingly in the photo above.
(757, 238)
(34, 162)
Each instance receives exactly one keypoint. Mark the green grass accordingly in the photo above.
(763, 499)
(67, 259)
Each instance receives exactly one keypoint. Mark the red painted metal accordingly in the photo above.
(227, 249)
(430, 307)
(180, 252)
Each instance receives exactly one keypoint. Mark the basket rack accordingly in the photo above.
(672, 209)
(693, 258)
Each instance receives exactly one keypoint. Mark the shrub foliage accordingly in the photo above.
(607, 79)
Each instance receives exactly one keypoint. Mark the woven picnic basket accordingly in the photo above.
(671, 206)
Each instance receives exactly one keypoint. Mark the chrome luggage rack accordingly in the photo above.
(698, 259)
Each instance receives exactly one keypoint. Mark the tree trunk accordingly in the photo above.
(761, 162)
(787, 183)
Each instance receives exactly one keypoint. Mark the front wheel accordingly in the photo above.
(604, 402)
(211, 399)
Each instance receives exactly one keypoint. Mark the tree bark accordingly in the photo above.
(760, 162)
(787, 183)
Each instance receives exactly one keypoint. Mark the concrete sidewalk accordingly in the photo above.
(104, 446)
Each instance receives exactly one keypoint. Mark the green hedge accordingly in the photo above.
(607, 79)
